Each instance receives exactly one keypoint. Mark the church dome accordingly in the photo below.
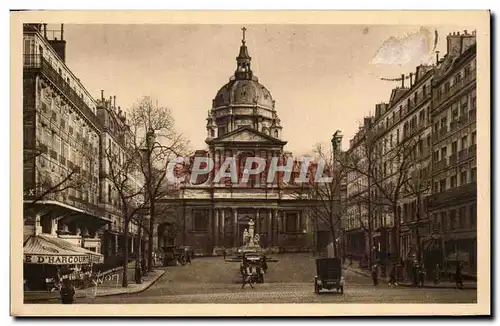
(243, 92)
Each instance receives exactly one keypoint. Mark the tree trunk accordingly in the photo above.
(334, 242)
(151, 233)
(125, 255)
(397, 228)
(139, 246)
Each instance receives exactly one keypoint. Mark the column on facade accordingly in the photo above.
(257, 221)
(116, 243)
(216, 227)
(132, 244)
(222, 227)
(235, 227)
(269, 227)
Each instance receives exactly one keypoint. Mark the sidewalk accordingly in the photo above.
(110, 286)
(468, 285)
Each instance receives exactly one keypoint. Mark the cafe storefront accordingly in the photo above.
(45, 256)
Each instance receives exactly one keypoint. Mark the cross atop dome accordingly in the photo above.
(244, 29)
(243, 70)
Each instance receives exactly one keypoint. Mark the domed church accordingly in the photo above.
(243, 122)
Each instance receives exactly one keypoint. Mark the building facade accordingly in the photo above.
(452, 205)
(65, 132)
(61, 145)
(243, 123)
(434, 117)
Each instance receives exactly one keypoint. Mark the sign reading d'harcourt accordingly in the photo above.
(55, 259)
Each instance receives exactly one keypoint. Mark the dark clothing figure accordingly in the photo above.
(138, 272)
(67, 292)
(144, 266)
(421, 276)
(246, 271)
(375, 276)
(224, 253)
(264, 264)
(392, 276)
(458, 277)
(414, 272)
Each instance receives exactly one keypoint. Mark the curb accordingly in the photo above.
(153, 281)
(84, 296)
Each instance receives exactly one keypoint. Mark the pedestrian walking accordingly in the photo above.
(458, 276)
(246, 271)
(67, 292)
(224, 253)
(375, 275)
(138, 272)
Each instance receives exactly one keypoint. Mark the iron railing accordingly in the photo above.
(35, 61)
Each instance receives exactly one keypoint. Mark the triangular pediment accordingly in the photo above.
(247, 134)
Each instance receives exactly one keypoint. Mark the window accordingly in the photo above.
(464, 142)
(447, 87)
(429, 141)
(443, 153)
(424, 90)
(457, 79)
(454, 114)
(442, 185)
(474, 138)
(435, 156)
(200, 221)
(212, 133)
(464, 106)
(292, 222)
(467, 71)
(473, 175)
(462, 221)
(454, 147)
(453, 222)
(276, 134)
(400, 111)
(463, 177)
(436, 187)
(444, 220)
(221, 131)
(110, 194)
(444, 123)
(453, 181)
(397, 136)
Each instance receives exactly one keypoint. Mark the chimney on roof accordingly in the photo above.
(114, 101)
(437, 57)
(102, 95)
(411, 79)
(403, 81)
(59, 45)
(45, 31)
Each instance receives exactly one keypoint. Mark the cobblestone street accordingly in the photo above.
(290, 280)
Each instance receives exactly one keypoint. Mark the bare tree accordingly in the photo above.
(123, 173)
(326, 208)
(159, 143)
(387, 170)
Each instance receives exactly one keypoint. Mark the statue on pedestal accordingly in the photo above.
(245, 236)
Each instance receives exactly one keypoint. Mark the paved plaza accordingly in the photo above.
(289, 280)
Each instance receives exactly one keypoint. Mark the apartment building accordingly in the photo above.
(454, 190)
(358, 227)
(116, 143)
(61, 135)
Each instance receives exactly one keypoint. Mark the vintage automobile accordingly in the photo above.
(329, 275)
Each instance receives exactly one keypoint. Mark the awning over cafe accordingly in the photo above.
(44, 249)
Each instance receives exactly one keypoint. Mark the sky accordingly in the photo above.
(323, 77)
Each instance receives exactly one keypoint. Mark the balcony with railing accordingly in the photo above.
(37, 62)
(472, 150)
(472, 115)
(453, 196)
(453, 158)
(439, 165)
(463, 155)
(455, 88)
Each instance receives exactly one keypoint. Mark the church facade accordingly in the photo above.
(243, 123)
